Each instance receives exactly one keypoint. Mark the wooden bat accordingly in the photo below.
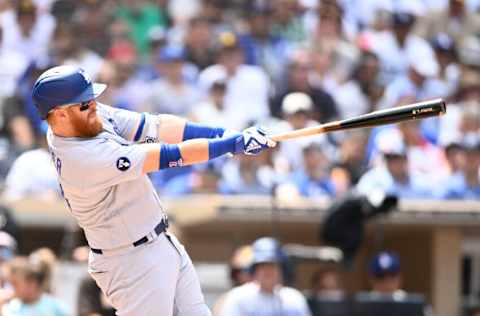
(408, 112)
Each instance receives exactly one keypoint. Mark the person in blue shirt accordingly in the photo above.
(465, 184)
(314, 180)
(393, 177)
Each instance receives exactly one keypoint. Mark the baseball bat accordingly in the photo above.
(407, 112)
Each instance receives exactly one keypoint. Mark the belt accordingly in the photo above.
(160, 228)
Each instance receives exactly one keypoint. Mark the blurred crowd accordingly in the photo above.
(283, 64)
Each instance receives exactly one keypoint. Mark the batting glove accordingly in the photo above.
(255, 140)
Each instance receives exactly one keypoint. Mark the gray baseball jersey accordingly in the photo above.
(102, 181)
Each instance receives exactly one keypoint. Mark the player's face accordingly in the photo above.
(84, 119)
(268, 275)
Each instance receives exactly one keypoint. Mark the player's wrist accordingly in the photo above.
(221, 146)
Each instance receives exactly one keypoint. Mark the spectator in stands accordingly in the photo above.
(419, 82)
(446, 53)
(351, 161)
(212, 109)
(141, 17)
(248, 86)
(67, 49)
(266, 292)
(13, 66)
(16, 133)
(326, 282)
(394, 177)
(261, 47)
(172, 93)
(426, 160)
(326, 296)
(27, 279)
(29, 31)
(314, 180)
(32, 175)
(356, 96)
(393, 46)
(199, 44)
(241, 176)
(334, 55)
(463, 116)
(46, 258)
(456, 157)
(297, 111)
(287, 22)
(126, 89)
(455, 20)
(465, 185)
(323, 106)
(385, 274)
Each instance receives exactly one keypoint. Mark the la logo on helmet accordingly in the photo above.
(85, 76)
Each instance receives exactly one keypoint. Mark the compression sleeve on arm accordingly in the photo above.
(170, 156)
(221, 146)
(195, 130)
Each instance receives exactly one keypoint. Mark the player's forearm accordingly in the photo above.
(189, 152)
(173, 130)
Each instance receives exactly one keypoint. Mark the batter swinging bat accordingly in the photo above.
(408, 112)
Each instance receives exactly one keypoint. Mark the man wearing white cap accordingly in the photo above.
(297, 110)
(419, 83)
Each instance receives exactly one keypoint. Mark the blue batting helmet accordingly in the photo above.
(63, 85)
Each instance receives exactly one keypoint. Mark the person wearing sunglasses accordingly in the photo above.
(102, 156)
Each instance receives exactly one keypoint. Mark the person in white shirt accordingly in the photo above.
(247, 86)
(29, 31)
(32, 175)
(265, 295)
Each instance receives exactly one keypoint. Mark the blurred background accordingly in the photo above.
(393, 210)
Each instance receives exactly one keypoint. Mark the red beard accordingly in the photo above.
(86, 127)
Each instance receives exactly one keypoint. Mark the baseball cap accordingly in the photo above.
(385, 263)
(423, 61)
(171, 53)
(391, 145)
(296, 102)
(444, 43)
(26, 7)
(267, 250)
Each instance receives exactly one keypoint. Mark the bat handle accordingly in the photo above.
(309, 131)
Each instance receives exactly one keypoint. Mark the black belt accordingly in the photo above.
(160, 228)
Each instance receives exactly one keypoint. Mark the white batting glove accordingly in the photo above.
(255, 140)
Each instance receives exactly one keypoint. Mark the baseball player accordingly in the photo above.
(265, 295)
(102, 156)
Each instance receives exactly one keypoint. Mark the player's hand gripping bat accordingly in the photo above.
(408, 112)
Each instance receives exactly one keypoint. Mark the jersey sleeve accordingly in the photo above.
(103, 164)
(134, 126)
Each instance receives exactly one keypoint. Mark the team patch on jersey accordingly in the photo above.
(123, 164)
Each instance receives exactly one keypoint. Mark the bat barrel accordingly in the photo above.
(409, 112)
(414, 111)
